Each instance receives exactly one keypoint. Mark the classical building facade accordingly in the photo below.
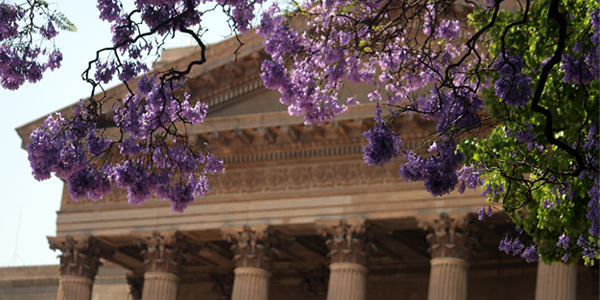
(297, 215)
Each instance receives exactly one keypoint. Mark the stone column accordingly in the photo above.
(79, 264)
(164, 256)
(557, 281)
(254, 252)
(449, 242)
(348, 251)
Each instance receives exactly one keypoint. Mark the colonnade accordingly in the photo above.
(254, 251)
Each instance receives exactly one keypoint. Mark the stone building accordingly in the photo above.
(297, 215)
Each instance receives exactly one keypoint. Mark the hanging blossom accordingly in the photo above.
(469, 177)
(59, 147)
(513, 87)
(384, 144)
(517, 248)
(482, 212)
(438, 171)
(23, 58)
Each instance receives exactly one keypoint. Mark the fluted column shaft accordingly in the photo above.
(448, 279)
(347, 281)
(160, 286)
(349, 250)
(449, 241)
(72, 287)
(556, 281)
(250, 284)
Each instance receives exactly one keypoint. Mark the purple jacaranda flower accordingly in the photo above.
(563, 241)
(530, 254)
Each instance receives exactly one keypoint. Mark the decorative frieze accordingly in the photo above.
(287, 179)
(252, 248)
(347, 243)
(449, 237)
(164, 253)
(80, 256)
(313, 178)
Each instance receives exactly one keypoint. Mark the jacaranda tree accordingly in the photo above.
(513, 87)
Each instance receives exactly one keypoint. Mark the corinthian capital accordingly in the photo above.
(80, 256)
(252, 248)
(347, 242)
(449, 237)
(164, 252)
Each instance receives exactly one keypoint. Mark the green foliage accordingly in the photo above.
(530, 188)
(63, 23)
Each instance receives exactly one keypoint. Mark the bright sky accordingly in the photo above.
(28, 212)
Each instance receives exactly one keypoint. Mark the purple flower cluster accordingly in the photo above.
(563, 241)
(18, 65)
(469, 177)
(516, 247)
(590, 248)
(453, 110)
(21, 58)
(384, 144)
(110, 10)
(513, 87)
(149, 162)
(54, 151)
(594, 205)
(88, 183)
(9, 16)
(482, 212)
(438, 171)
(576, 71)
